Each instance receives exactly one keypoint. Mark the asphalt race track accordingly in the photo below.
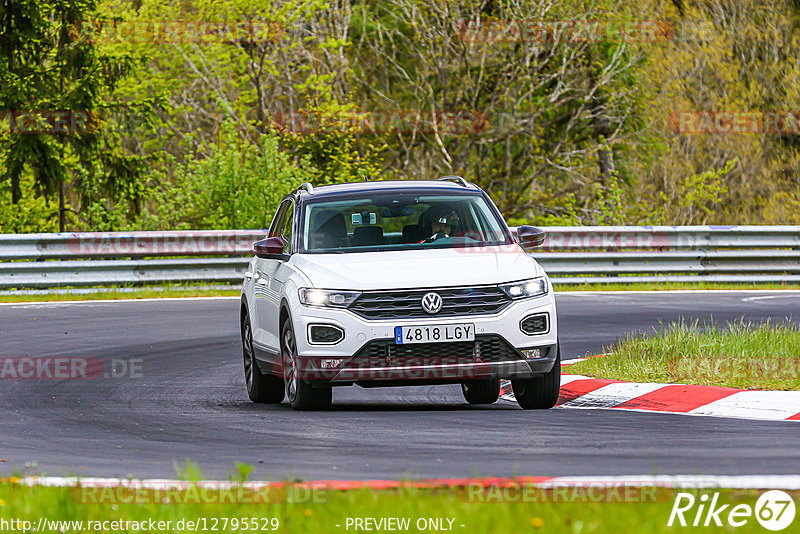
(187, 400)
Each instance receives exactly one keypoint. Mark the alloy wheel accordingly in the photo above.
(290, 363)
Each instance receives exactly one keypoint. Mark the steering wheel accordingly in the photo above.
(434, 237)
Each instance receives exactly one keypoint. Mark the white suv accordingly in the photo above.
(397, 283)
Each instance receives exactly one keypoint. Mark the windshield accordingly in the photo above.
(393, 220)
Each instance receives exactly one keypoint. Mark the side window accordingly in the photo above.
(287, 231)
(276, 228)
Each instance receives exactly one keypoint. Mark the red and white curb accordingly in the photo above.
(785, 482)
(579, 391)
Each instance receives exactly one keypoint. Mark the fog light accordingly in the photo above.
(324, 334)
(531, 354)
(536, 324)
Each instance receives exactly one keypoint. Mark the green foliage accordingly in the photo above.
(697, 197)
(286, 507)
(329, 142)
(565, 215)
(31, 214)
(44, 69)
(243, 471)
(196, 130)
(189, 471)
(742, 355)
(238, 185)
(610, 201)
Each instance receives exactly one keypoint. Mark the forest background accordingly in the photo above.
(153, 114)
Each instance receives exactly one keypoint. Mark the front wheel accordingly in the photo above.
(301, 394)
(539, 393)
(261, 388)
(481, 391)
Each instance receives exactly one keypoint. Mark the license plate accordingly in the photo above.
(404, 335)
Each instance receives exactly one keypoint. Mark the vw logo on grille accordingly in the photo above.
(432, 303)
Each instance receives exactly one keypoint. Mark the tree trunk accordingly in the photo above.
(16, 192)
(605, 160)
(61, 210)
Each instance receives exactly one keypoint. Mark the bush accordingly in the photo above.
(238, 185)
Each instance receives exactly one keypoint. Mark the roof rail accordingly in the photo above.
(307, 186)
(454, 178)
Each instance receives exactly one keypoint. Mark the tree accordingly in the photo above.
(556, 86)
(54, 75)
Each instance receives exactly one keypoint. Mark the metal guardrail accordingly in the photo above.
(571, 255)
(671, 237)
(127, 244)
(117, 272)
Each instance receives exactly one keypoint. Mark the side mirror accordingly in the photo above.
(271, 248)
(530, 236)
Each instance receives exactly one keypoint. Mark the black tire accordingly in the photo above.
(539, 393)
(481, 391)
(301, 394)
(261, 388)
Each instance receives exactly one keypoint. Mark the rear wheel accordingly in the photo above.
(301, 394)
(481, 391)
(539, 393)
(261, 388)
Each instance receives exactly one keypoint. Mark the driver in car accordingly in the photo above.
(444, 220)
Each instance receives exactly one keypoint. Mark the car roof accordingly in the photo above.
(387, 185)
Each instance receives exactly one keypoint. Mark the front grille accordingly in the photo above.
(385, 353)
(535, 324)
(408, 304)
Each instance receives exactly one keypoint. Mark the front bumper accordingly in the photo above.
(368, 355)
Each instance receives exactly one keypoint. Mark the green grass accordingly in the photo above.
(743, 355)
(136, 293)
(647, 511)
(671, 286)
(201, 291)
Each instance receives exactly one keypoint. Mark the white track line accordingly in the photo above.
(769, 405)
(566, 379)
(753, 405)
(787, 482)
(107, 301)
(613, 395)
(680, 291)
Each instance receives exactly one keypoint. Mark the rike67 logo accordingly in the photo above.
(774, 510)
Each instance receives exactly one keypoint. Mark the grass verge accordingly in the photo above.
(742, 355)
(672, 286)
(217, 291)
(125, 293)
(569, 511)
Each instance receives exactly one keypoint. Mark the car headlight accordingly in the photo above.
(534, 287)
(325, 297)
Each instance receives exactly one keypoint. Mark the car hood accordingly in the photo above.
(408, 269)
